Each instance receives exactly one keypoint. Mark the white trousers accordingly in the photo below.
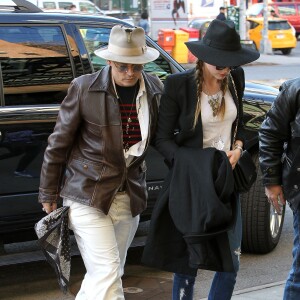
(103, 241)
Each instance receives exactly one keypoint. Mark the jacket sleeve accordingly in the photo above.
(157, 87)
(239, 80)
(59, 145)
(167, 120)
(275, 131)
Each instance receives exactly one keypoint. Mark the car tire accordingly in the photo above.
(286, 51)
(262, 226)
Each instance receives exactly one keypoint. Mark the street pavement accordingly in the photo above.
(275, 59)
(267, 60)
(139, 282)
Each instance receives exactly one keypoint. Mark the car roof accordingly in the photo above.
(270, 19)
(56, 17)
(199, 20)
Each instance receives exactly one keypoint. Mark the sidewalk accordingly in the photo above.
(139, 282)
(273, 291)
(147, 288)
(275, 59)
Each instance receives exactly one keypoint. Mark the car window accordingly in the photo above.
(49, 5)
(64, 4)
(35, 65)
(97, 38)
(88, 7)
(286, 10)
(252, 24)
(283, 25)
(195, 25)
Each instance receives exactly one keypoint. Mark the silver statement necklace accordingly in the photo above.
(213, 101)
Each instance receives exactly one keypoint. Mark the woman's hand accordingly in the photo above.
(49, 207)
(233, 156)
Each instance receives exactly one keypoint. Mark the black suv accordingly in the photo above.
(40, 53)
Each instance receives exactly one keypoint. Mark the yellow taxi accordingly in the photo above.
(280, 34)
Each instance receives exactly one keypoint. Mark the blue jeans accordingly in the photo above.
(292, 286)
(223, 283)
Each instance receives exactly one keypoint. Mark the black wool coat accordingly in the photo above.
(192, 215)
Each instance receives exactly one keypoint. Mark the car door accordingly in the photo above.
(36, 68)
(255, 32)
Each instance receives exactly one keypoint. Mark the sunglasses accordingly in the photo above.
(124, 68)
(219, 68)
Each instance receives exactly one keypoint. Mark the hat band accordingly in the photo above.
(127, 51)
(221, 46)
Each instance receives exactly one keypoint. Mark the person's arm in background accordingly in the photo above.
(147, 30)
(274, 132)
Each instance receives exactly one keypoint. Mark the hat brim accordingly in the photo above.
(150, 55)
(221, 57)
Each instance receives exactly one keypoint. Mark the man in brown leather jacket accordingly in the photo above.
(95, 158)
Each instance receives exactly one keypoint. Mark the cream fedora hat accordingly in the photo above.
(128, 45)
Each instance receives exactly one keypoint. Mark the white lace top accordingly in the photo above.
(217, 131)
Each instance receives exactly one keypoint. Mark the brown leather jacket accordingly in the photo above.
(84, 160)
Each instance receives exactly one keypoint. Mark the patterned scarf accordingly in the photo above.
(54, 239)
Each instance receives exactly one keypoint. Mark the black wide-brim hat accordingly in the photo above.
(221, 46)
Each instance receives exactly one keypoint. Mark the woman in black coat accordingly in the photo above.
(203, 106)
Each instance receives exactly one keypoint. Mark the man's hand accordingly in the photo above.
(275, 197)
(49, 207)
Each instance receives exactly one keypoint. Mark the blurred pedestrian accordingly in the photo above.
(73, 7)
(144, 22)
(221, 16)
(273, 13)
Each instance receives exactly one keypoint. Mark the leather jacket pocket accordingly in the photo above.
(137, 175)
(82, 177)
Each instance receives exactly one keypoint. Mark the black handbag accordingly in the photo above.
(244, 173)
